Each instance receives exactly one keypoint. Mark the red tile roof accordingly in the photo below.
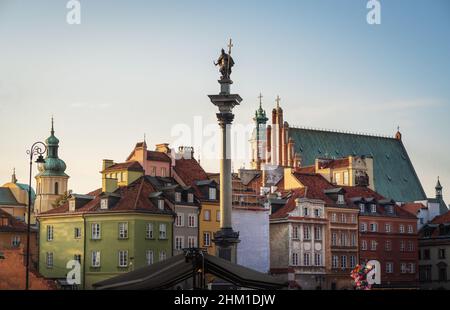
(315, 185)
(134, 197)
(158, 156)
(413, 207)
(14, 225)
(130, 166)
(190, 171)
(441, 219)
(290, 205)
(306, 169)
(360, 191)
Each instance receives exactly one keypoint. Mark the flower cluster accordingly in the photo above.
(359, 275)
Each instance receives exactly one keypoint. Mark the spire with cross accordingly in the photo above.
(260, 99)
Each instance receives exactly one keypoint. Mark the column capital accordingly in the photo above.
(225, 118)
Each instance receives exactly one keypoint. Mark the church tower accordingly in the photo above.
(438, 189)
(258, 141)
(51, 181)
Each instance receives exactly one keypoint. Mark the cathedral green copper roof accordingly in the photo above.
(394, 174)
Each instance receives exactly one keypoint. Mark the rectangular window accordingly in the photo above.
(410, 246)
(149, 257)
(192, 220)
(412, 268)
(403, 268)
(179, 220)
(402, 229)
(388, 228)
(362, 208)
(153, 172)
(49, 260)
(441, 253)
(373, 245)
(353, 239)
(343, 218)
(340, 199)
(95, 259)
(318, 233)
(123, 230)
(295, 259)
(179, 243)
(177, 196)
(333, 239)
(410, 229)
(77, 233)
(149, 231)
(364, 245)
(335, 261)
(123, 258)
(218, 216)
(163, 172)
(343, 261)
(104, 204)
(15, 242)
(191, 198)
(373, 208)
(317, 212)
(389, 267)
(373, 227)
(402, 246)
(192, 242)
(353, 218)
(95, 231)
(49, 233)
(317, 259)
(207, 215)
(77, 257)
(306, 232)
(161, 204)
(162, 231)
(207, 239)
(363, 227)
(306, 259)
(388, 245)
(334, 217)
(162, 256)
(305, 211)
(337, 178)
(352, 261)
(212, 193)
(295, 232)
(346, 178)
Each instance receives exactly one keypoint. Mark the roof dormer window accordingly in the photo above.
(362, 208)
(340, 199)
(177, 196)
(191, 198)
(104, 204)
(212, 193)
(72, 205)
(373, 208)
(161, 204)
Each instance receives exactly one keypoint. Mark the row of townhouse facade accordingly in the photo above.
(321, 231)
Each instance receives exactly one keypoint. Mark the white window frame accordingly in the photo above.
(364, 245)
(306, 232)
(77, 233)
(402, 228)
(179, 243)
(388, 228)
(190, 198)
(192, 242)
(212, 193)
(49, 259)
(104, 204)
(177, 197)
(410, 229)
(346, 178)
(343, 262)
(295, 233)
(317, 233)
(96, 231)
(373, 227)
(123, 230)
(389, 267)
(334, 239)
(373, 208)
(15, 241)
(149, 257)
(149, 234)
(306, 259)
(295, 259)
(162, 255)
(95, 259)
(207, 212)
(50, 235)
(363, 227)
(179, 222)
(352, 261)
(161, 204)
(317, 259)
(373, 245)
(335, 261)
(123, 258)
(192, 220)
(206, 238)
(334, 217)
(388, 245)
(162, 231)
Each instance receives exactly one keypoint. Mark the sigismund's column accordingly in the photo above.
(225, 239)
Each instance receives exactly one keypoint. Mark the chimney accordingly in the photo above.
(163, 148)
(109, 185)
(107, 163)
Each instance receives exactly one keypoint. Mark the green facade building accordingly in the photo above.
(108, 233)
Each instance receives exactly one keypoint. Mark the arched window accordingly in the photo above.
(56, 188)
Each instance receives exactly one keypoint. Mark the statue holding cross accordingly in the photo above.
(225, 62)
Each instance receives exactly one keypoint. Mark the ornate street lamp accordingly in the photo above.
(38, 148)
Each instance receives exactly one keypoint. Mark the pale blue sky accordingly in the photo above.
(144, 66)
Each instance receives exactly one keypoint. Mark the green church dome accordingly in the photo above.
(53, 166)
